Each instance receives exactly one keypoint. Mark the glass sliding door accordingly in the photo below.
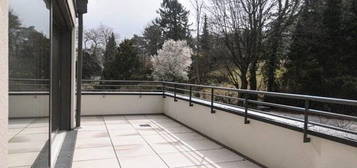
(29, 83)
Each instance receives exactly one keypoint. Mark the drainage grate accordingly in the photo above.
(145, 125)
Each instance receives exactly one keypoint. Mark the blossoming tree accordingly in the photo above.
(172, 62)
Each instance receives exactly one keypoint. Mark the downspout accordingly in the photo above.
(81, 9)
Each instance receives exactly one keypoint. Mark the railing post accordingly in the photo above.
(306, 121)
(140, 91)
(212, 101)
(246, 121)
(175, 99)
(163, 90)
(191, 96)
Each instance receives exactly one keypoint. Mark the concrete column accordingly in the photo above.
(3, 82)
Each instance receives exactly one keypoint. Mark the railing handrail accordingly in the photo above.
(277, 94)
(246, 91)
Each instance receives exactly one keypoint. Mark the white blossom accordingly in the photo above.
(172, 62)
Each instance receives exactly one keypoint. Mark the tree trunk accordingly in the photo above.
(244, 80)
(253, 76)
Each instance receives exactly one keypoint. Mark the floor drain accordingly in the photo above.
(145, 125)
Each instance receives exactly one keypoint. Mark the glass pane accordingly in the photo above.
(29, 70)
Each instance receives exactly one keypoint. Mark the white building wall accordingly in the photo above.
(3, 81)
(270, 145)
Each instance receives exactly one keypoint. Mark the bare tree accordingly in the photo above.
(241, 23)
(96, 39)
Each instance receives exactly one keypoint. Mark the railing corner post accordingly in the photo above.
(190, 102)
(212, 101)
(175, 97)
(306, 121)
(246, 121)
(163, 90)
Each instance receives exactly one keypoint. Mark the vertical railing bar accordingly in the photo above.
(175, 87)
(306, 121)
(190, 96)
(163, 90)
(212, 101)
(140, 90)
(246, 121)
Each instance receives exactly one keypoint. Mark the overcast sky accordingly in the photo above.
(126, 17)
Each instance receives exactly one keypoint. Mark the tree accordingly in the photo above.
(205, 39)
(173, 20)
(323, 53)
(172, 62)
(198, 6)
(126, 63)
(284, 17)
(91, 66)
(240, 23)
(204, 60)
(96, 39)
(29, 50)
(153, 39)
(109, 54)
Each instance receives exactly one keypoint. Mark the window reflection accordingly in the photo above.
(29, 70)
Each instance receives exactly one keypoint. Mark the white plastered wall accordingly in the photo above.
(270, 145)
(121, 104)
(27, 106)
(3, 82)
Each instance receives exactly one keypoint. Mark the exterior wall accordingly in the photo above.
(3, 81)
(72, 9)
(270, 145)
(121, 104)
(73, 79)
(27, 106)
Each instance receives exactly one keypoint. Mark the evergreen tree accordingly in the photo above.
(91, 66)
(109, 55)
(153, 39)
(173, 20)
(126, 63)
(323, 53)
(205, 37)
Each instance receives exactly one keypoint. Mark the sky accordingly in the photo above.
(125, 17)
(38, 15)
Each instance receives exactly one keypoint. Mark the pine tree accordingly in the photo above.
(173, 20)
(126, 63)
(91, 66)
(109, 55)
(205, 37)
(153, 39)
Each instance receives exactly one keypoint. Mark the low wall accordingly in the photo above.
(121, 104)
(28, 105)
(270, 145)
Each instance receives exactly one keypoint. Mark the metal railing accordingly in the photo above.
(302, 109)
(28, 85)
(246, 99)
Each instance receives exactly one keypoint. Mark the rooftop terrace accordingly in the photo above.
(163, 124)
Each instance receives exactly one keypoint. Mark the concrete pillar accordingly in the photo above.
(3, 81)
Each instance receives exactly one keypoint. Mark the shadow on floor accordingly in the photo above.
(42, 158)
(65, 157)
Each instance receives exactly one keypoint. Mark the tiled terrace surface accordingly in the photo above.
(147, 141)
(27, 138)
